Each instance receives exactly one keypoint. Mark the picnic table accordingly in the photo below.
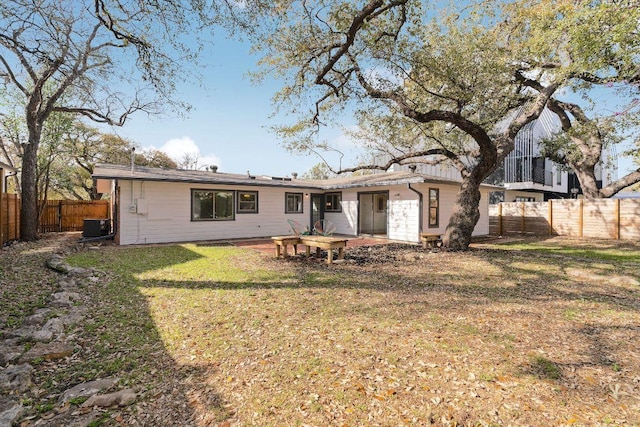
(328, 243)
(431, 240)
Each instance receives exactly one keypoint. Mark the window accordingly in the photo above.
(434, 207)
(208, 205)
(247, 202)
(381, 202)
(524, 199)
(333, 202)
(558, 176)
(293, 203)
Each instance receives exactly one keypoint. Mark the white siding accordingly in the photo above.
(404, 219)
(447, 199)
(164, 213)
(168, 214)
(482, 227)
(346, 222)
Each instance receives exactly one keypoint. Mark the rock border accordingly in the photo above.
(42, 337)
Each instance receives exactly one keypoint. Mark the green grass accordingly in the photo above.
(545, 368)
(271, 341)
(618, 255)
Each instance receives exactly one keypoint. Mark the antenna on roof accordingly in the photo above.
(133, 157)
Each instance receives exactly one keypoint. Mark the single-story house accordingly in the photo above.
(153, 205)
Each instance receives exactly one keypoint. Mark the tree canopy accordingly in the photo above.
(103, 60)
(447, 81)
(439, 81)
(593, 50)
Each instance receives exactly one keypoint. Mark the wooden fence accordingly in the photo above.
(600, 218)
(9, 218)
(57, 215)
(69, 215)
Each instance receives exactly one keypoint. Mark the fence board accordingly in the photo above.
(598, 218)
(536, 221)
(57, 215)
(10, 226)
(630, 219)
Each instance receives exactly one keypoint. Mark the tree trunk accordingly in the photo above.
(464, 217)
(29, 204)
(588, 182)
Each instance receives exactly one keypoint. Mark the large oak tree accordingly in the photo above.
(100, 59)
(593, 50)
(432, 70)
(443, 82)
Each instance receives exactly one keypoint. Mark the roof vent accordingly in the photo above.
(413, 168)
(213, 168)
(277, 178)
(294, 175)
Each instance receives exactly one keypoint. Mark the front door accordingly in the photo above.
(372, 213)
(317, 208)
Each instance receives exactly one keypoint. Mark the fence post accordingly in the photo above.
(2, 211)
(500, 219)
(522, 225)
(581, 220)
(617, 218)
(550, 216)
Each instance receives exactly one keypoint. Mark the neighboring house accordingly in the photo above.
(166, 205)
(525, 174)
(528, 176)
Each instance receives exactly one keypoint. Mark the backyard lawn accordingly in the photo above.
(513, 332)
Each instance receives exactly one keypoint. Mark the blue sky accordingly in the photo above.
(228, 124)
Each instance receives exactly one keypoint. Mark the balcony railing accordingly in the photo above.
(529, 174)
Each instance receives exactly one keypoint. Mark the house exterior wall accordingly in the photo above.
(346, 222)
(164, 213)
(403, 222)
(447, 196)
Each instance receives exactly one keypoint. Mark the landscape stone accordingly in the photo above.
(118, 398)
(51, 351)
(15, 378)
(87, 389)
(76, 420)
(38, 318)
(10, 350)
(10, 411)
(75, 315)
(64, 299)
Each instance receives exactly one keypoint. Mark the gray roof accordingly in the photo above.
(108, 171)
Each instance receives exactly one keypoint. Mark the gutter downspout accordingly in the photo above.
(421, 202)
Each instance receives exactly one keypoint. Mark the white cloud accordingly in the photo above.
(347, 138)
(181, 148)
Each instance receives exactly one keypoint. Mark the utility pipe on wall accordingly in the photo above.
(420, 204)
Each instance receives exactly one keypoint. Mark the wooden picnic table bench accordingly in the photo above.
(282, 242)
(328, 243)
(431, 240)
